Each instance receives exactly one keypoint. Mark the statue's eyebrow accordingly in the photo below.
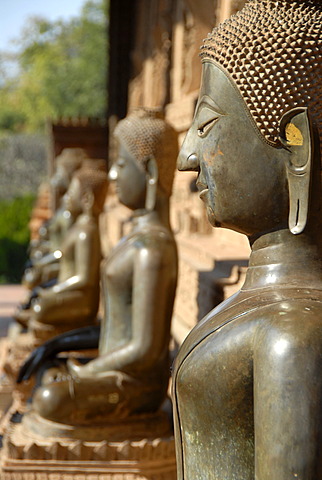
(207, 101)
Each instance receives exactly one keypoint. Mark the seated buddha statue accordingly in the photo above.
(129, 377)
(43, 272)
(67, 163)
(73, 301)
(43, 268)
(70, 160)
(247, 385)
(44, 254)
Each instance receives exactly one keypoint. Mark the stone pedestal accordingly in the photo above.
(5, 394)
(146, 451)
(14, 352)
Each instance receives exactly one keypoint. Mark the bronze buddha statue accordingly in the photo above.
(67, 163)
(43, 273)
(73, 301)
(130, 375)
(247, 381)
(44, 254)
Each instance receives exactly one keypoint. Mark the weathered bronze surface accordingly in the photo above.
(130, 375)
(247, 381)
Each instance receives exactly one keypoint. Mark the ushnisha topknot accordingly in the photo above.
(146, 134)
(71, 159)
(272, 50)
(96, 164)
(95, 180)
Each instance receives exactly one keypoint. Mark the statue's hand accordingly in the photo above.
(43, 292)
(77, 370)
(34, 361)
(55, 375)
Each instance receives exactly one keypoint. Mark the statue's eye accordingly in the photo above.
(120, 162)
(205, 127)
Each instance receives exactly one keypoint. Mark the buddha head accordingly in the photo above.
(67, 163)
(88, 189)
(145, 166)
(256, 132)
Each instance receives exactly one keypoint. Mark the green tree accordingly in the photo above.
(62, 70)
(14, 237)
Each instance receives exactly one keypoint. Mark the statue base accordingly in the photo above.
(6, 385)
(139, 456)
(14, 351)
(5, 394)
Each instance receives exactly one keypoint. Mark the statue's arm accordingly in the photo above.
(48, 259)
(288, 400)
(85, 264)
(150, 327)
(42, 270)
(79, 339)
(152, 299)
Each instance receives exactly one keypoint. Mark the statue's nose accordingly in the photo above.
(187, 162)
(112, 174)
(188, 158)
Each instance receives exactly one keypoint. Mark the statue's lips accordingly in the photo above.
(203, 189)
(203, 193)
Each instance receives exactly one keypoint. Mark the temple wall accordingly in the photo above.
(165, 72)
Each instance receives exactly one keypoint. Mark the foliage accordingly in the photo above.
(12, 118)
(23, 163)
(14, 237)
(62, 71)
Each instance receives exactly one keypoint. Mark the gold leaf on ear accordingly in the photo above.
(293, 135)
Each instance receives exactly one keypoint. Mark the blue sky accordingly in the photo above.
(14, 13)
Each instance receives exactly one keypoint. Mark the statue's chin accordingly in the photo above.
(211, 217)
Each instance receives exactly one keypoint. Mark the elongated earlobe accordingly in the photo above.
(296, 134)
(88, 202)
(152, 184)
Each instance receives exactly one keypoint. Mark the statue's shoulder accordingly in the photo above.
(298, 318)
(155, 238)
(84, 227)
(263, 314)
